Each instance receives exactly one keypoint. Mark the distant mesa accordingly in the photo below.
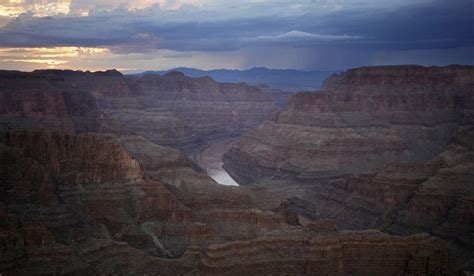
(284, 79)
(174, 74)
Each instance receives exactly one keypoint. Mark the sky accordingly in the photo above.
(136, 35)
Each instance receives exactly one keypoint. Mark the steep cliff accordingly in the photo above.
(364, 119)
(306, 252)
(57, 99)
(27, 100)
(183, 112)
(378, 147)
(173, 110)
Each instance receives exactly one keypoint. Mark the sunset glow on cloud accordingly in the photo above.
(303, 34)
(46, 57)
(13, 8)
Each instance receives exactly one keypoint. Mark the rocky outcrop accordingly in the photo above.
(58, 100)
(27, 100)
(101, 83)
(80, 182)
(379, 147)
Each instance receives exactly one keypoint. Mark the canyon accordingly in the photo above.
(107, 174)
(387, 148)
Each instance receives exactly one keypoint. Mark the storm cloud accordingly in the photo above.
(303, 33)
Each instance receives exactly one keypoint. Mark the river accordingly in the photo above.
(210, 159)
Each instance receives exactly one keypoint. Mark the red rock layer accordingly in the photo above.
(364, 118)
(30, 100)
(118, 203)
(31, 248)
(78, 187)
(183, 112)
(381, 147)
(173, 110)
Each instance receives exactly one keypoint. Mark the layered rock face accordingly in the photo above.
(71, 183)
(30, 100)
(305, 252)
(72, 188)
(92, 196)
(183, 112)
(82, 204)
(378, 147)
(280, 97)
(107, 83)
(363, 119)
(60, 100)
(173, 110)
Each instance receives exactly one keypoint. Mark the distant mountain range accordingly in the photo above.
(284, 79)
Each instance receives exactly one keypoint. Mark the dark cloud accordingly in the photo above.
(361, 29)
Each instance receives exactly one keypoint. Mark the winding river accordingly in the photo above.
(210, 159)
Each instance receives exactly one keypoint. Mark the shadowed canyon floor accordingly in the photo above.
(95, 179)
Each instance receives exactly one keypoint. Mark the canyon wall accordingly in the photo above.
(364, 119)
(185, 113)
(378, 147)
(31, 100)
(173, 110)
(71, 188)
(83, 192)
